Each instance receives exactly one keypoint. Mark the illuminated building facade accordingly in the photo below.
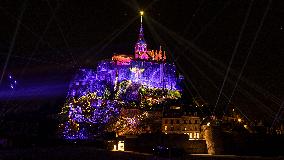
(189, 125)
(96, 97)
(176, 121)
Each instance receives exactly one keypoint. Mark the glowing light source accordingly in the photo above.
(120, 146)
(12, 82)
(122, 59)
(239, 120)
(114, 148)
(141, 13)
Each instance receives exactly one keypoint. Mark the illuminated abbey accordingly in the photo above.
(119, 92)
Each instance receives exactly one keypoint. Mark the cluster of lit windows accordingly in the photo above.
(178, 121)
(193, 135)
(183, 125)
(180, 128)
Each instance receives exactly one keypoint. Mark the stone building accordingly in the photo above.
(188, 123)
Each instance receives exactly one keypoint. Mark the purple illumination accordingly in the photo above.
(108, 75)
(96, 97)
(34, 91)
(141, 46)
(12, 82)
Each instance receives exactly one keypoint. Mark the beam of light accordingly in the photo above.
(263, 107)
(38, 60)
(62, 34)
(158, 39)
(105, 42)
(189, 45)
(251, 48)
(203, 29)
(194, 48)
(38, 42)
(31, 92)
(234, 52)
(117, 34)
(27, 28)
(133, 4)
(151, 23)
(187, 27)
(13, 42)
(214, 85)
(109, 38)
(278, 115)
(32, 54)
(36, 91)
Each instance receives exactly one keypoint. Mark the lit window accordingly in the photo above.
(120, 146)
(197, 135)
(190, 135)
(114, 148)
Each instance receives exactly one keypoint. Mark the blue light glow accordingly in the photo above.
(96, 97)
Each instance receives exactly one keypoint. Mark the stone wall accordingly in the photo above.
(195, 146)
(145, 143)
(214, 139)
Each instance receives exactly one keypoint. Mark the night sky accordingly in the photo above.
(53, 38)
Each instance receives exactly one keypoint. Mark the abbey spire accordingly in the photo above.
(141, 34)
(141, 45)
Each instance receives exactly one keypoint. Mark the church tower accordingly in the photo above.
(141, 45)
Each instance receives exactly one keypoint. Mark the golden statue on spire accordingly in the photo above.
(141, 15)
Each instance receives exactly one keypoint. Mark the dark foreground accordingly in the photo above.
(86, 153)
